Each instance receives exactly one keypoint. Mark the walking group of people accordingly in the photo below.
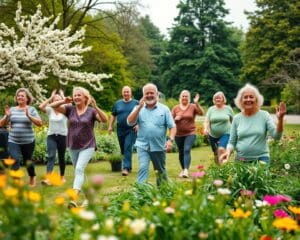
(144, 123)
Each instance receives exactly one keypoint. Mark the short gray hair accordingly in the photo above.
(219, 93)
(248, 86)
(150, 85)
(28, 95)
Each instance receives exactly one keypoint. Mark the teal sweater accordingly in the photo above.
(248, 135)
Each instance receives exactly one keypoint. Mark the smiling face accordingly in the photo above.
(151, 95)
(184, 97)
(126, 93)
(249, 100)
(79, 98)
(219, 100)
(21, 98)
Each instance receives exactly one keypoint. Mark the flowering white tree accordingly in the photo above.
(37, 49)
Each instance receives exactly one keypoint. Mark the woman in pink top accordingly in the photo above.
(184, 115)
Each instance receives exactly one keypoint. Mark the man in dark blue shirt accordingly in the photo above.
(126, 134)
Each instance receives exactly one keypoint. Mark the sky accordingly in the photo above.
(162, 12)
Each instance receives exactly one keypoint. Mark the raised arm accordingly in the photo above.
(132, 117)
(43, 105)
(59, 105)
(200, 110)
(281, 111)
(101, 115)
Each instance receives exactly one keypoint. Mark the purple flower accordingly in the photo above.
(198, 174)
(273, 200)
(279, 213)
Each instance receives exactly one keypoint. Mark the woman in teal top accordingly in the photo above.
(217, 124)
(251, 127)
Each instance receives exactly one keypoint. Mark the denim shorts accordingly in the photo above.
(218, 142)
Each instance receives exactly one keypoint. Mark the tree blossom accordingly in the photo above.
(37, 49)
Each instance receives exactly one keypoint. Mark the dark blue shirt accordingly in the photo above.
(121, 110)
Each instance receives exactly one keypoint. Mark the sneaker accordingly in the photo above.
(125, 172)
(46, 182)
(72, 204)
(185, 173)
(181, 174)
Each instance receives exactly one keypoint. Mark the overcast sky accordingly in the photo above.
(162, 12)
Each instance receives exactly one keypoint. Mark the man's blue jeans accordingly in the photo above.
(159, 163)
(126, 140)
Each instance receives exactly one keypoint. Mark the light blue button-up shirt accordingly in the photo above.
(153, 124)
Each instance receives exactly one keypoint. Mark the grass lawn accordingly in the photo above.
(115, 183)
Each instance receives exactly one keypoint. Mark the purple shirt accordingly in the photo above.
(81, 128)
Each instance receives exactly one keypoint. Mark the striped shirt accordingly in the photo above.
(21, 131)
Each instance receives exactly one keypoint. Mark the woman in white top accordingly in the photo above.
(57, 134)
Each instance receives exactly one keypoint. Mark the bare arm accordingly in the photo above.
(101, 115)
(132, 117)
(200, 110)
(59, 105)
(169, 143)
(43, 105)
(111, 123)
(281, 111)
(35, 120)
(206, 125)
(4, 121)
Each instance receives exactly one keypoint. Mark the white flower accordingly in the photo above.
(219, 221)
(96, 227)
(103, 237)
(137, 226)
(259, 203)
(85, 236)
(109, 224)
(127, 222)
(169, 210)
(87, 215)
(218, 182)
(156, 203)
(224, 191)
(188, 192)
(211, 197)
(287, 166)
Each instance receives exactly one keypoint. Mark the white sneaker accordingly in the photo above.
(181, 173)
(185, 173)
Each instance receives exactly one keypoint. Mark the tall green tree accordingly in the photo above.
(274, 32)
(202, 54)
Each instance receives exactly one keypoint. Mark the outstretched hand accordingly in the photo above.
(281, 110)
(196, 98)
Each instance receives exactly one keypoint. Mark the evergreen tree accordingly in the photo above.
(202, 54)
(274, 32)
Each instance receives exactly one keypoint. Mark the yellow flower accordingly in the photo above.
(55, 179)
(72, 194)
(76, 210)
(285, 223)
(19, 182)
(10, 192)
(3, 180)
(126, 206)
(9, 161)
(17, 173)
(59, 200)
(295, 210)
(239, 213)
(32, 196)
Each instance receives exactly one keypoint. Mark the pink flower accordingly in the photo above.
(273, 200)
(279, 213)
(97, 180)
(198, 174)
(245, 192)
(218, 182)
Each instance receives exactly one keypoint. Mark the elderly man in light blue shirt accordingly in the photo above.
(153, 119)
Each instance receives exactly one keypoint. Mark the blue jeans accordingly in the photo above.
(159, 163)
(184, 145)
(80, 159)
(23, 152)
(56, 142)
(216, 143)
(126, 140)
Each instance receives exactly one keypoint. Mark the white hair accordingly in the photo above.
(247, 87)
(219, 93)
(185, 91)
(152, 85)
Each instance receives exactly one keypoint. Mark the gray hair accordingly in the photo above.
(185, 91)
(219, 93)
(150, 85)
(28, 95)
(248, 86)
(85, 92)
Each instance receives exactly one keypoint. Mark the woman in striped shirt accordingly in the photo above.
(21, 140)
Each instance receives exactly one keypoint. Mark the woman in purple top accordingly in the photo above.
(81, 139)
